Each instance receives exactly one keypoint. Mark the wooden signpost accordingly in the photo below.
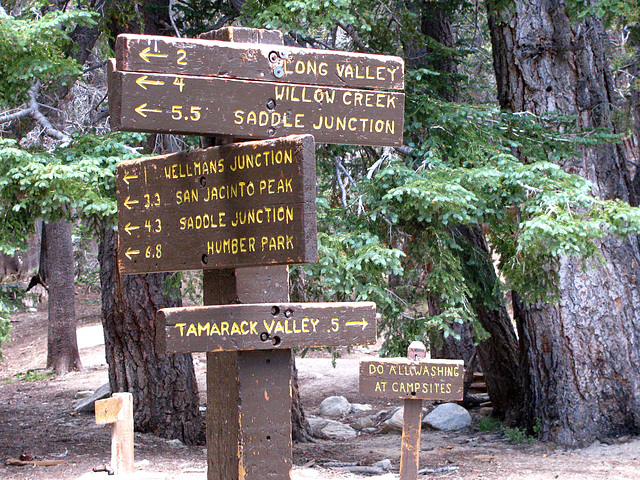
(208, 87)
(249, 205)
(413, 379)
(230, 206)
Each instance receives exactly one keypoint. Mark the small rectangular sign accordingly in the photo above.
(401, 378)
(274, 63)
(265, 326)
(236, 205)
(108, 410)
(195, 105)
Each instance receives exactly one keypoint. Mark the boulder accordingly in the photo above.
(330, 429)
(448, 417)
(361, 423)
(336, 406)
(359, 408)
(393, 420)
(87, 404)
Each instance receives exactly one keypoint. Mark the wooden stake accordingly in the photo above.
(411, 425)
(118, 411)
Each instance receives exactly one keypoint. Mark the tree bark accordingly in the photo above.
(164, 387)
(581, 357)
(62, 343)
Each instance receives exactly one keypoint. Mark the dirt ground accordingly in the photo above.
(37, 420)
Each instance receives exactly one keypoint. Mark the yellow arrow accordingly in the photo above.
(143, 82)
(128, 176)
(141, 110)
(362, 323)
(128, 228)
(130, 252)
(128, 202)
(146, 53)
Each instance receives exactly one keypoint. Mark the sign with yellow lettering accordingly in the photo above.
(406, 379)
(255, 91)
(275, 63)
(236, 205)
(158, 102)
(265, 326)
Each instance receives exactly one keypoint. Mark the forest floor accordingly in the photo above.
(37, 420)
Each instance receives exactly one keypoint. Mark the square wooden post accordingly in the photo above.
(118, 411)
(246, 436)
(411, 425)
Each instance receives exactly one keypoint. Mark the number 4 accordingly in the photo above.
(179, 82)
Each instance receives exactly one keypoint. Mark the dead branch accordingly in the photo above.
(34, 108)
(351, 31)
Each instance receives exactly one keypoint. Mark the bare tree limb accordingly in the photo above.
(173, 22)
(342, 186)
(34, 108)
(386, 154)
(351, 31)
(10, 117)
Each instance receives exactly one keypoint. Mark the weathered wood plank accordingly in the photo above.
(229, 206)
(108, 410)
(265, 326)
(157, 54)
(163, 103)
(402, 378)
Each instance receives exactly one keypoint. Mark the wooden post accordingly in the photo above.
(411, 425)
(118, 411)
(240, 385)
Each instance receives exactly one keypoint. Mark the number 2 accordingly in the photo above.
(181, 57)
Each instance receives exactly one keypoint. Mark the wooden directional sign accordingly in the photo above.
(237, 205)
(275, 63)
(158, 102)
(265, 326)
(209, 87)
(405, 379)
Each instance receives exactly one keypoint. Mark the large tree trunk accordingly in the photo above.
(164, 387)
(498, 354)
(62, 343)
(581, 356)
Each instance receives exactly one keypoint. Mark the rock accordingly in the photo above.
(334, 406)
(175, 443)
(393, 421)
(87, 404)
(448, 417)
(364, 422)
(330, 429)
(83, 394)
(359, 408)
(383, 464)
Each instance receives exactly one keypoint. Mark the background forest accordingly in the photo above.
(504, 230)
